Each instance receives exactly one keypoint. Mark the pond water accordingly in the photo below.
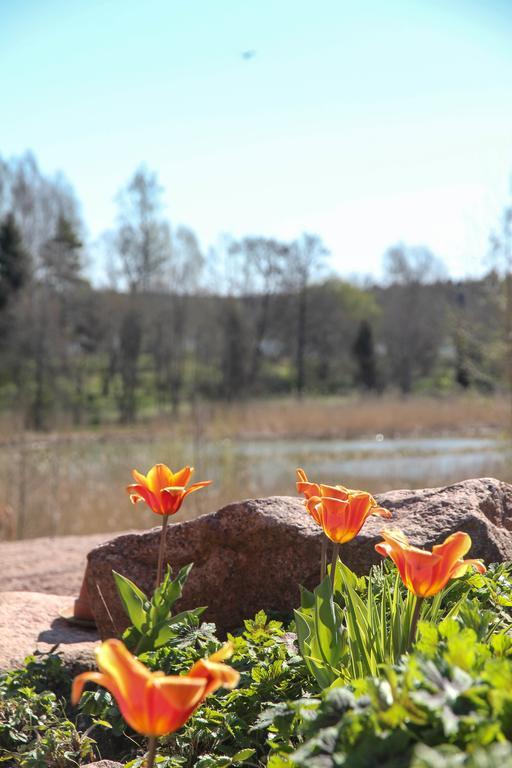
(379, 462)
(77, 486)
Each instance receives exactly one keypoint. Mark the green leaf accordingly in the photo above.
(133, 600)
(168, 630)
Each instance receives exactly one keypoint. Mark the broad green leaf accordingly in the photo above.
(133, 600)
(243, 754)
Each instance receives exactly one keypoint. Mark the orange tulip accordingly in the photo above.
(340, 511)
(163, 490)
(427, 573)
(152, 703)
(341, 519)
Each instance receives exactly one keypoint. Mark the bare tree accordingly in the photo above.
(142, 242)
(501, 251)
(307, 257)
(264, 266)
(413, 313)
(143, 236)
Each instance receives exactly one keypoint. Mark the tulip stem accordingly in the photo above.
(150, 760)
(323, 558)
(414, 620)
(335, 550)
(161, 550)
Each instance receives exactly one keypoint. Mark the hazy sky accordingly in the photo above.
(369, 122)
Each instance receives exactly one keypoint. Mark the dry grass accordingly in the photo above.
(350, 418)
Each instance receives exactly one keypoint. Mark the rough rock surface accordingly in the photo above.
(31, 621)
(103, 764)
(255, 553)
(53, 564)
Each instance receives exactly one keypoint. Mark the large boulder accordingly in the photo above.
(254, 554)
(31, 622)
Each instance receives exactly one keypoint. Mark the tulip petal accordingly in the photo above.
(223, 653)
(141, 493)
(335, 517)
(394, 536)
(301, 476)
(182, 476)
(313, 507)
(216, 674)
(182, 691)
(461, 567)
(158, 477)
(308, 489)
(197, 486)
(91, 677)
(381, 512)
(139, 477)
(334, 492)
(454, 547)
(127, 672)
(420, 570)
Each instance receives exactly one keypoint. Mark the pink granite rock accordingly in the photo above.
(31, 621)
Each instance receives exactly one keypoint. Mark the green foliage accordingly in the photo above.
(153, 624)
(364, 624)
(35, 731)
(14, 260)
(448, 703)
(455, 698)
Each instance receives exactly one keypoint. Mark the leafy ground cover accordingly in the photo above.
(444, 704)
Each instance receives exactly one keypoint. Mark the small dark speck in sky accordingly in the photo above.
(247, 55)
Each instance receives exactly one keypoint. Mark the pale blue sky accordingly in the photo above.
(367, 122)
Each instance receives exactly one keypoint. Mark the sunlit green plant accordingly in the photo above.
(153, 623)
(364, 623)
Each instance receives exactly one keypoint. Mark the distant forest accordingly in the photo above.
(249, 318)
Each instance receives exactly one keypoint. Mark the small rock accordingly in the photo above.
(254, 554)
(103, 764)
(30, 621)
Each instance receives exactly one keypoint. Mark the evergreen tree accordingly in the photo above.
(62, 256)
(364, 353)
(14, 262)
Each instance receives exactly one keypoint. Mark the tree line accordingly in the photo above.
(250, 317)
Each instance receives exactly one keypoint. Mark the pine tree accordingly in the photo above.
(364, 352)
(14, 262)
(62, 256)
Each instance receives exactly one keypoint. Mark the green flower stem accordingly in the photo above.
(323, 559)
(150, 759)
(335, 550)
(161, 550)
(414, 621)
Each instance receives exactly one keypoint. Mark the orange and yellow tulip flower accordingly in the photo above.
(152, 703)
(342, 519)
(340, 511)
(162, 489)
(427, 573)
